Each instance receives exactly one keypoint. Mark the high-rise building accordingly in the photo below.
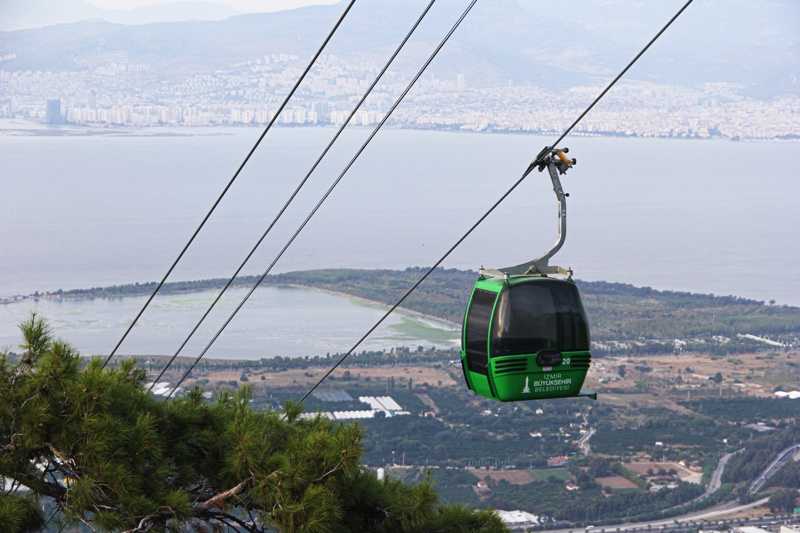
(323, 111)
(54, 111)
(92, 99)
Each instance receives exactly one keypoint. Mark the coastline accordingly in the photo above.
(33, 128)
(78, 294)
(373, 302)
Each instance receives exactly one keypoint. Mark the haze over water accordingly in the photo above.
(700, 216)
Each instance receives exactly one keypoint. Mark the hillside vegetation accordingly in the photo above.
(90, 445)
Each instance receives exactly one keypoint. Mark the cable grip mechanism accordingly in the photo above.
(556, 162)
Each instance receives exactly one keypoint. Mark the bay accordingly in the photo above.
(80, 210)
(276, 321)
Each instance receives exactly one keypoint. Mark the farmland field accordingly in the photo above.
(543, 473)
(515, 477)
(617, 482)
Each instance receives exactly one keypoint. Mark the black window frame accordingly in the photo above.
(477, 326)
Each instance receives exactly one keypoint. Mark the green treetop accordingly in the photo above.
(111, 456)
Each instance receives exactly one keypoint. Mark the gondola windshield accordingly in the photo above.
(545, 315)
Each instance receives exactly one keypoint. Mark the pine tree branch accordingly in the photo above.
(250, 514)
(143, 523)
(340, 464)
(335, 469)
(60, 462)
(224, 517)
(62, 459)
(12, 442)
(220, 499)
(148, 522)
(36, 484)
(87, 524)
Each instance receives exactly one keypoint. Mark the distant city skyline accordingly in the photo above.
(123, 72)
(245, 6)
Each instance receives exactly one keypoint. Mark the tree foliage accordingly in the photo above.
(591, 504)
(110, 455)
(782, 501)
(749, 410)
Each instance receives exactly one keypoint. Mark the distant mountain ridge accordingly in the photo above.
(754, 43)
(27, 14)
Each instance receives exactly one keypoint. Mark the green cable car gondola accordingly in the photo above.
(525, 334)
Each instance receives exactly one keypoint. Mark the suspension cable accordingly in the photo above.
(235, 175)
(485, 215)
(325, 196)
(610, 85)
(296, 191)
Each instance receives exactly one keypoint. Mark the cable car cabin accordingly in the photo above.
(525, 338)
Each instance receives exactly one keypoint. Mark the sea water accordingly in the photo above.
(82, 210)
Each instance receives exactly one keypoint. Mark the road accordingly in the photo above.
(781, 460)
(702, 520)
(583, 443)
(716, 477)
(679, 524)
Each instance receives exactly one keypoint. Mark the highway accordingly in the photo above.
(703, 520)
(773, 467)
(707, 517)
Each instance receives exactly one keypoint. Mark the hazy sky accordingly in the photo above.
(241, 5)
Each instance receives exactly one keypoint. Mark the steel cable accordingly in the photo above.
(325, 196)
(491, 209)
(228, 186)
(536, 162)
(296, 191)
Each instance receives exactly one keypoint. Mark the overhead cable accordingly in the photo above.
(297, 190)
(228, 186)
(329, 191)
(485, 215)
(610, 85)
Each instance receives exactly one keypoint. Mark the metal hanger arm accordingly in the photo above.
(556, 163)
